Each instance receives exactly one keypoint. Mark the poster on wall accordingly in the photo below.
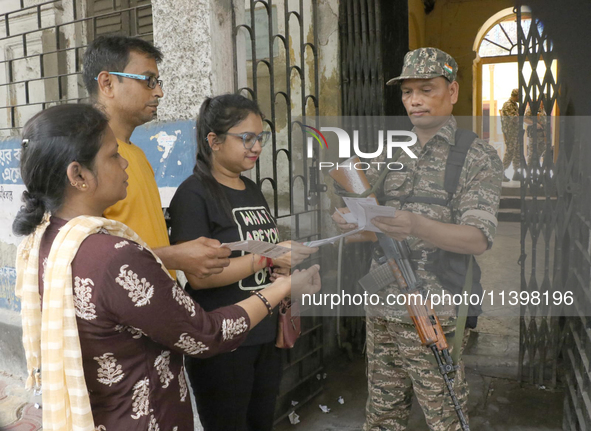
(11, 188)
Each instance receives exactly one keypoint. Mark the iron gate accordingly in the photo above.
(555, 232)
(276, 64)
(42, 46)
(373, 41)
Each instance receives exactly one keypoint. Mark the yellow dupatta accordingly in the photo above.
(51, 341)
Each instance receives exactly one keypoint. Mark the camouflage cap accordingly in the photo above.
(427, 63)
(514, 92)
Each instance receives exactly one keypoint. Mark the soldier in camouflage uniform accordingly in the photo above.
(398, 364)
(510, 126)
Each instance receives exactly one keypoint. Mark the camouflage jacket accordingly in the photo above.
(475, 202)
(510, 119)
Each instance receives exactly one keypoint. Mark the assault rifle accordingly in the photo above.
(398, 268)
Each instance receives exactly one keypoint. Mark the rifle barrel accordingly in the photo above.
(449, 383)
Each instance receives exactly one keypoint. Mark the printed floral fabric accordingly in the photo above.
(135, 324)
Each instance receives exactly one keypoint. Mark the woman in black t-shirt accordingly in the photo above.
(236, 390)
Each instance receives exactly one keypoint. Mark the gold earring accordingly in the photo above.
(83, 185)
(73, 184)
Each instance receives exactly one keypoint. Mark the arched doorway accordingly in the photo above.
(496, 72)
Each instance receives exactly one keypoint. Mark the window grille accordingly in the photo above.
(42, 46)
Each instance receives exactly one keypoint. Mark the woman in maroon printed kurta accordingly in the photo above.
(134, 322)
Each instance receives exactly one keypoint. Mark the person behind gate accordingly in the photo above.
(510, 125)
(428, 218)
(236, 390)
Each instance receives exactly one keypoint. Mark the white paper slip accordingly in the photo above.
(349, 217)
(330, 240)
(354, 205)
(258, 247)
(372, 211)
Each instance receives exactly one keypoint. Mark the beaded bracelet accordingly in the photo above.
(267, 304)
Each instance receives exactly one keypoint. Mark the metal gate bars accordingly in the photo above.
(276, 64)
(555, 230)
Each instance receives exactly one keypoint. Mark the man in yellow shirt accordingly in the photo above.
(121, 76)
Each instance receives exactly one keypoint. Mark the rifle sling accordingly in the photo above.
(462, 315)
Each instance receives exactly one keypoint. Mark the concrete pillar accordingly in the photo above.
(195, 37)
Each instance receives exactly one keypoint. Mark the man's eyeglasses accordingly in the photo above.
(150, 80)
(249, 139)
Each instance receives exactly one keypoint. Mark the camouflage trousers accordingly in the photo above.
(399, 365)
(540, 148)
(511, 153)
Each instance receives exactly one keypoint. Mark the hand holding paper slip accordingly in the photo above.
(263, 248)
(373, 211)
(364, 210)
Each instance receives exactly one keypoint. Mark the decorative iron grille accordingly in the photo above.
(538, 330)
(372, 51)
(276, 64)
(373, 36)
(555, 231)
(42, 46)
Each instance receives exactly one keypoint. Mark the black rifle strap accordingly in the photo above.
(453, 168)
(455, 161)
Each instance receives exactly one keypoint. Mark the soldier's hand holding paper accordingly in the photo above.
(399, 227)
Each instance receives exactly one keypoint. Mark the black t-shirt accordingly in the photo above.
(193, 215)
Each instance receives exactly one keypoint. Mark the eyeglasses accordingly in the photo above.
(151, 80)
(249, 139)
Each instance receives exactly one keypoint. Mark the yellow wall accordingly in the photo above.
(416, 24)
(452, 26)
